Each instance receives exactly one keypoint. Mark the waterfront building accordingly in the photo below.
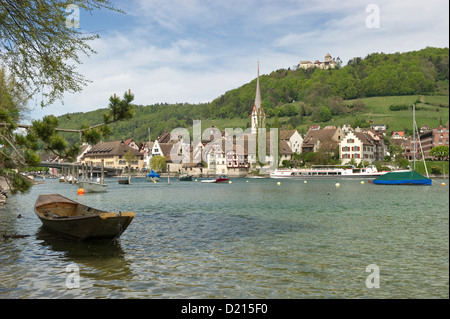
(426, 141)
(293, 139)
(172, 149)
(326, 139)
(440, 135)
(358, 146)
(113, 155)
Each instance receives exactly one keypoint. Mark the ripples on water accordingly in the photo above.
(248, 239)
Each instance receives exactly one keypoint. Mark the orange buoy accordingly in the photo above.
(81, 191)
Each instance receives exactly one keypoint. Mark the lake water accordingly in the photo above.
(249, 239)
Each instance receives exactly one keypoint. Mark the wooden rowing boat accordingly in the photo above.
(67, 217)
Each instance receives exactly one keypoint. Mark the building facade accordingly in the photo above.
(113, 154)
(357, 146)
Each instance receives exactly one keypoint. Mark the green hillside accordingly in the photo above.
(379, 88)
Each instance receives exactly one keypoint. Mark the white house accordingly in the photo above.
(357, 146)
(293, 139)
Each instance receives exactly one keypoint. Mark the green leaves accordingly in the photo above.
(440, 151)
(158, 163)
(40, 50)
(120, 109)
(45, 128)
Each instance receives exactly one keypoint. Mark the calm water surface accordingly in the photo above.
(248, 239)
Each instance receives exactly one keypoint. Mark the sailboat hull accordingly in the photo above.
(402, 178)
(426, 182)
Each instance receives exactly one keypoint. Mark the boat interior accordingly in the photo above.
(65, 209)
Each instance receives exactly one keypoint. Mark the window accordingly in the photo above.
(350, 140)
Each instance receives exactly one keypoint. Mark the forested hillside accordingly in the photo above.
(297, 98)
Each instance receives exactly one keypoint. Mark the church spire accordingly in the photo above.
(258, 93)
(258, 117)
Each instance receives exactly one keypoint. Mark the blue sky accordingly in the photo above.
(195, 50)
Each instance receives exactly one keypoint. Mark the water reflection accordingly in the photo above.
(105, 259)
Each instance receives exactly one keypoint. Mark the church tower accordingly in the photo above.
(258, 115)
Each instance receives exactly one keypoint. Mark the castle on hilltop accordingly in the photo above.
(329, 63)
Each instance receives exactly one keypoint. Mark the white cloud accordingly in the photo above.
(194, 50)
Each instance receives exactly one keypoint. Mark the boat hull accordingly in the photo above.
(71, 219)
(217, 180)
(222, 180)
(324, 173)
(324, 176)
(421, 182)
(403, 178)
(91, 187)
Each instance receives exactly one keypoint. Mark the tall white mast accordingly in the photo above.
(414, 132)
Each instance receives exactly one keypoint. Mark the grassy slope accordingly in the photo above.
(378, 112)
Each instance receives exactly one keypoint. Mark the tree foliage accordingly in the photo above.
(41, 49)
(378, 74)
(441, 151)
(19, 149)
(158, 163)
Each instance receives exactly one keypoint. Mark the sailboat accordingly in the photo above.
(153, 176)
(409, 177)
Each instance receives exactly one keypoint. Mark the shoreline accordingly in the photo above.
(3, 191)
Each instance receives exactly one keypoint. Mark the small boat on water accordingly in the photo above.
(93, 187)
(185, 177)
(123, 181)
(327, 171)
(90, 186)
(68, 179)
(220, 179)
(410, 177)
(402, 178)
(69, 218)
(153, 176)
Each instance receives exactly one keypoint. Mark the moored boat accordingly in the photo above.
(68, 179)
(185, 177)
(69, 218)
(153, 176)
(409, 177)
(90, 186)
(220, 179)
(93, 187)
(327, 171)
(402, 178)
